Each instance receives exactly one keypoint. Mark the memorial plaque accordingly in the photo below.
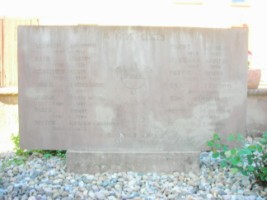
(130, 89)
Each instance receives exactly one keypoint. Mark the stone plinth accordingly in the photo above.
(95, 162)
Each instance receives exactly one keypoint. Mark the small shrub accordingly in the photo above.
(18, 151)
(26, 153)
(49, 153)
(249, 158)
(15, 161)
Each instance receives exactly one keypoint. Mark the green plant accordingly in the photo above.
(15, 161)
(249, 158)
(26, 153)
(18, 151)
(49, 153)
(61, 154)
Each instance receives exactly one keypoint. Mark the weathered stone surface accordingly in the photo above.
(256, 112)
(95, 162)
(130, 89)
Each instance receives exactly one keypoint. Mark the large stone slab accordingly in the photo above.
(130, 89)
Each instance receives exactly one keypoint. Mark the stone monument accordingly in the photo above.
(130, 98)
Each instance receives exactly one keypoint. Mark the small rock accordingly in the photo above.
(209, 196)
(47, 190)
(105, 183)
(263, 193)
(35, 174)
(91, 194)
(193, 176)
(226, 197)
(56, 194)
(72, 181)
(191, 198)
(112, 198)
(89, 178)
(100, 196)
(24, 197)
(2, 192)
(172, 196)
(78, 195)
(118, 187)
(43, 197)
(52, 172)
(64, 194)
(67, 188)
(81, 184)
(94, 188)
(10, 188)
(214, 192)
(193, 183)
(221, 192)
(251, 197)
(133, 195)
(66, 198)
(85, 193)
(57, 181)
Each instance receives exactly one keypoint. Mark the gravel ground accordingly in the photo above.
(42, 179)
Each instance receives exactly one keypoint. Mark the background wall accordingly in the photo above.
(8, 49)
(9, 117)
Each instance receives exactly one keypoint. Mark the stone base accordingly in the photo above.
(98, 162)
